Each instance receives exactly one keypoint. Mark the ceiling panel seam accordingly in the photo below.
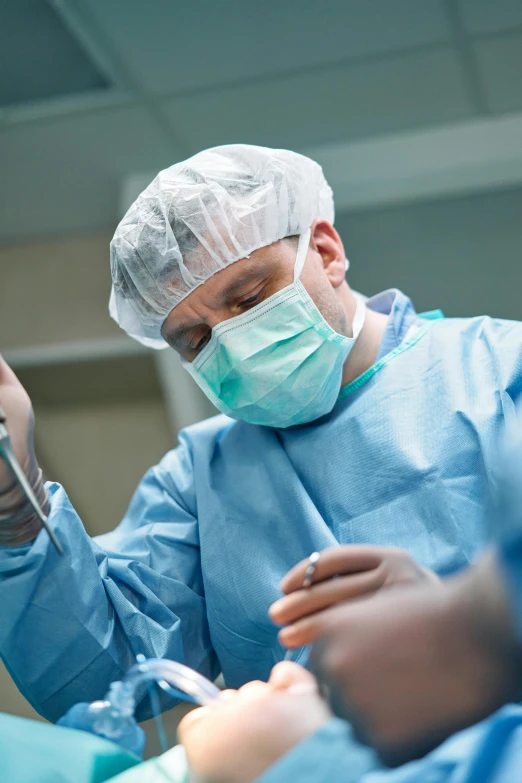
(289, 73)
(466, 56)
(513, 32)
(43, 112)
(82, 18)
(87, 44)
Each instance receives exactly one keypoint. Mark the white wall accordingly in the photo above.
(55, 290)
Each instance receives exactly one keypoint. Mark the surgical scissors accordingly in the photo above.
(6, 451)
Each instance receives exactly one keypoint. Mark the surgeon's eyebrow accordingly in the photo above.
(255, 269)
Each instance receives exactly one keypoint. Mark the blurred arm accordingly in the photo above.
(331, 755)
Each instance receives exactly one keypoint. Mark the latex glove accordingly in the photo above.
(414, 665)
(240, 737)
(18, 522)
(343, 573)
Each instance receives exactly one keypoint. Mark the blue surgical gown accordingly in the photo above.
(404, 459)
(507, 522)
(490, 752)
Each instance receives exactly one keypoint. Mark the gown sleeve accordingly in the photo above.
(331, 755)
(507, 518)
(72, 624)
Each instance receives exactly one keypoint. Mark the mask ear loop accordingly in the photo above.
(302, 250)
(360, 310)
(358, 318)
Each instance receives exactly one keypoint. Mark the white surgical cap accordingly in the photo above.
(201, 215)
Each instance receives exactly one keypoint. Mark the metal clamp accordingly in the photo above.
(6, 451)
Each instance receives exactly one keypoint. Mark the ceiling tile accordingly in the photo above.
(39, 57)
(65, 174)
(491, 16)
(365, 99)
(500, 65)
(171, 47)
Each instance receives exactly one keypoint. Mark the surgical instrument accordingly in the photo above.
(307, 582)
(6, 451)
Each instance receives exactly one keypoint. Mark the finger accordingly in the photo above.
(346, 559)
(308, 630)
(327, 593)
(315, 626)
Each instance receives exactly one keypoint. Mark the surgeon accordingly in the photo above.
(346, 422)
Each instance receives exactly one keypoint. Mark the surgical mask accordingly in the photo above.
(280, 363)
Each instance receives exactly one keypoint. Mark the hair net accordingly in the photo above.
(199, 216)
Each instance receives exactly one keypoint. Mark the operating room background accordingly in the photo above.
(413, 108)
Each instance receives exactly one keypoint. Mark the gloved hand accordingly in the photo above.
(342, 574)
(18, 522)
(416, 664)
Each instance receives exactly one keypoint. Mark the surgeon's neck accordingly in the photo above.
(364, 353)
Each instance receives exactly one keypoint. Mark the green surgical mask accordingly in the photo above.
(280, 363)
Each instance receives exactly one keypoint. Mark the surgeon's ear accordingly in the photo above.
(326, 241)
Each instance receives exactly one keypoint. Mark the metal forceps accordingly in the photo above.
(307, 582)
(6, 451)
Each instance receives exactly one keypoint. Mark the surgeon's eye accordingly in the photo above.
(251, 301)
(201, 343)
